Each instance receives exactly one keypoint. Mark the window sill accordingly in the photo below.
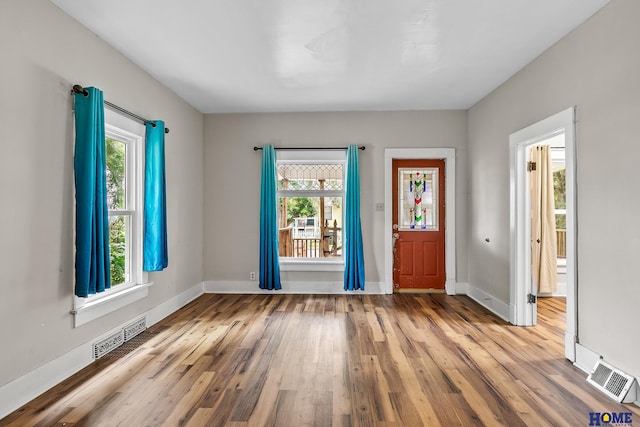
(92, 310)
(306, 265)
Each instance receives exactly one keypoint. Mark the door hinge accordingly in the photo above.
(531, 166)
(531, 299)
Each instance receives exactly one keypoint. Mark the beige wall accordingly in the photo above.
(232, 178)
(596, 68)
(43, 52)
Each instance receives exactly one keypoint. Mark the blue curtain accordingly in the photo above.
(92, 215)
(269, 264)
(155, 253)
(353, 253)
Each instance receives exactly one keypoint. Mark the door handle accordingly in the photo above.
(394, 238)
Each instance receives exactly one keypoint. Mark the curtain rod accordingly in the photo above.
(362, 147)
(80, 89)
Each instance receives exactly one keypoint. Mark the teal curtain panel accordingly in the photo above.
(353, 252)
(155, 252)
(269, 264)
(92, 215)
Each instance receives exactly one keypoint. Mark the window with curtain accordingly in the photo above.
(124, 152)
(310, 194)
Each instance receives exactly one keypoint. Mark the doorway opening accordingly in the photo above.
(554, 220)
(556, 130)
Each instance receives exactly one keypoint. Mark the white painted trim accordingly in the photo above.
(172, 305)
(97, 308)
(585, 358)
(240, 287)
(449, 155)
(462, 288)
(488, 301)
(295, 265)
(522, 313)
(570, 343)
(26, 388)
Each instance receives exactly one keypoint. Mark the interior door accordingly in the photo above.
(418, 225)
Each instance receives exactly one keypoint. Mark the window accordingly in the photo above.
(123, 203)
(560, 199)
(124, 145)
(310, 199)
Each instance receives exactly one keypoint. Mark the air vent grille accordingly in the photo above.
(613, 382)
(601, 374)
(135, 328)
(616, 383)
(107, 344)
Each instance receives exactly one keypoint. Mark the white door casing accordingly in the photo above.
(521, 312)
(449, 156)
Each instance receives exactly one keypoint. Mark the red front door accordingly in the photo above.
(418, 225)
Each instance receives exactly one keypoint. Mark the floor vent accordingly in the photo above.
(130, 346)
(613, 382)
(107, 344)
(135, 328)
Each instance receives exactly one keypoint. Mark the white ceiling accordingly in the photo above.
(331, 55)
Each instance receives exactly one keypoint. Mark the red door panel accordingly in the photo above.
(407, 262)
(430, 259)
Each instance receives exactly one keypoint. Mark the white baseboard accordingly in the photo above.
(239, 287)
(26, 388)
(172, 305)
(488, 301)
(585, 358)
(462, 288)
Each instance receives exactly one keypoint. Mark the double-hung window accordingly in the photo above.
(124, 207)
(310, 195)
(124, 145)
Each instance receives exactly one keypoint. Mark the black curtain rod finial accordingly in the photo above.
(80, 89)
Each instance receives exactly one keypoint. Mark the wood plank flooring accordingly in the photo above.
(330, 360)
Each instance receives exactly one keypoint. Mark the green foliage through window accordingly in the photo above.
(560, 187)
(560, 197)
(299, 207)
(116, 199)
(117, 248)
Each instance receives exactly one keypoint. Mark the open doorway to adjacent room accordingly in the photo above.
(552, 276)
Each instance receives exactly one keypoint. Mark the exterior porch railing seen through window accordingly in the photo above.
(310, 201)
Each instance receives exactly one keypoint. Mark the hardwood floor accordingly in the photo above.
(330, 360)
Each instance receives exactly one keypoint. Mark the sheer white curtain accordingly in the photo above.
(544, 252)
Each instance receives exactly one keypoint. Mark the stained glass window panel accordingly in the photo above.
(418, 199)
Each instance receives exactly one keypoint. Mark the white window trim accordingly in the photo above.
(94, 306)
(304, 264)
(313, 157)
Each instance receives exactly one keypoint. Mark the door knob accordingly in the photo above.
(395, 226)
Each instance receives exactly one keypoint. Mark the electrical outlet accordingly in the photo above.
(380, 207)
(252, 275)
